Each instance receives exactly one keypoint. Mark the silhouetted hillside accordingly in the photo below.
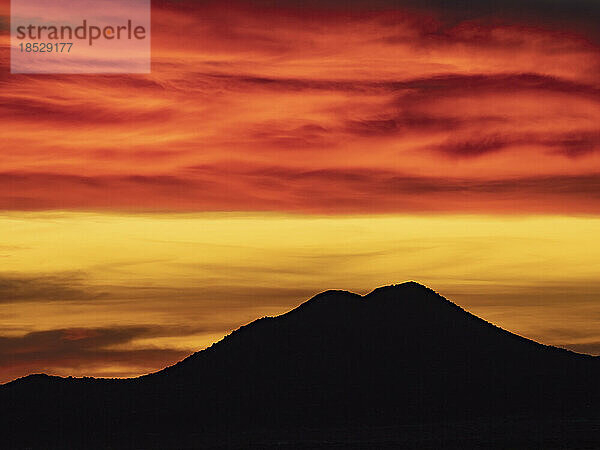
(401, 366)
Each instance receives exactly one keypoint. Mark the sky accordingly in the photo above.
(279, 149)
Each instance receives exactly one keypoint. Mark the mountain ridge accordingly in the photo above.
(318, 300)
(400, 356)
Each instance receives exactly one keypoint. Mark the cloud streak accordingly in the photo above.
(46, 288)
(278, 188)
(86, 349)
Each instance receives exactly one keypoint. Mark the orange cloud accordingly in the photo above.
(363, 111)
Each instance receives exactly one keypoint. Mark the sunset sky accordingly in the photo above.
(279, 149)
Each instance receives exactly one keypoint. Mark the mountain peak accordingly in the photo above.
(333, 302)
(402, 287)
(409, 295)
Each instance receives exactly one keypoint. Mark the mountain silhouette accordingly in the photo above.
(401, 367)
